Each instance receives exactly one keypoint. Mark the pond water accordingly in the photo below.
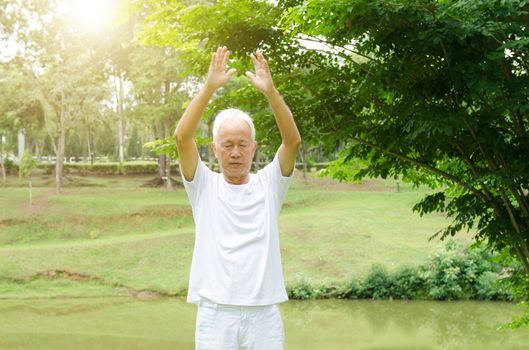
(125, 323)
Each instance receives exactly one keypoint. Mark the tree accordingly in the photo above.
(199, 27)
(441, 98)
(63, 64)
(26, 167)
(156, 75)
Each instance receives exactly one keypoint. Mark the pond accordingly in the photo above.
(126, 323)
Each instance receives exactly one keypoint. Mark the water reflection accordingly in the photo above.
(125, 323)
(402, 325)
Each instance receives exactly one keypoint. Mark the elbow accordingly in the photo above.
(294, 143)
(179, 136)
(297, 143)
(297, 140)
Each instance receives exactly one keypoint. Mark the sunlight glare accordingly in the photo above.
(93, 14)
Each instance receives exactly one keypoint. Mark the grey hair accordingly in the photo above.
(229, 114)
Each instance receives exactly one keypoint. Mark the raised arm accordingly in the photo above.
(188, 124)
(290, 137)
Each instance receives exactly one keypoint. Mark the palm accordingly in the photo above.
(217, 74)
(262, 79)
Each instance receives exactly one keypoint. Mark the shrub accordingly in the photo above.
(475, 263)
(378, 283)
(301, 289)
(488, 288)
(408, 283)
(351, 289)
(444, 273)
(113, 168)
(451, 274)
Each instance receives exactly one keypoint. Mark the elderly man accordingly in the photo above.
(236, 275)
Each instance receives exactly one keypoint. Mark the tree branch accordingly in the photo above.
(487, 192)
(315, 39)
(426, 166)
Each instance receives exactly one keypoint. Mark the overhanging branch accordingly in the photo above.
(428, 167)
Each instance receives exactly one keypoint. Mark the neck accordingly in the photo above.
(237, 180)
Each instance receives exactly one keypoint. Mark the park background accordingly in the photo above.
(412, 179)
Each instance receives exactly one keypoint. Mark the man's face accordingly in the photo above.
(234, 148)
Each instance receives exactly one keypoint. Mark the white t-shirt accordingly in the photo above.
(236, 258)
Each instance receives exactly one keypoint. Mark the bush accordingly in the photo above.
(301, 289)
(351, 289)
(444, 273)
(408, 283)
(108, 168)
(451, 274)
(378, 283)
(488, 287)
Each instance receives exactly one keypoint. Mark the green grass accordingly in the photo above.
(142, 238)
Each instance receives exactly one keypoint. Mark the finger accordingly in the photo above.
(218, 55)
(260, 56)
(225, 58)
(250, 76)
(254, 60)
(262, 59)
(231, 72)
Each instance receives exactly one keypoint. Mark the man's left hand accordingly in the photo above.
(262, 79)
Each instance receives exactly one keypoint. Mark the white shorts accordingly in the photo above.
(236, 327)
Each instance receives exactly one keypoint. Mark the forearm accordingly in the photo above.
(188, 124)
(285, 121)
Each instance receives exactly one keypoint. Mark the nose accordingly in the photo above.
(235, 153)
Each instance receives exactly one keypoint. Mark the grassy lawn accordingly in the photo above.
(131, 237)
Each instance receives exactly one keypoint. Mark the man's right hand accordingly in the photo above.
(217, 74)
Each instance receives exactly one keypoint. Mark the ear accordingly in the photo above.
(214, 149)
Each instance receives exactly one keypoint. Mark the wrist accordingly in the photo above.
(209, 88)
(272, 93)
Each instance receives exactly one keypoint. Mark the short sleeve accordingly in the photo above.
(200, 179)
(275, 179)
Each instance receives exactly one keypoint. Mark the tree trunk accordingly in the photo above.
(2, 161)
(59, 161)
(20, 144)
(38, 152)
(257, 159)
(523, 258)
(121, 128)
(3, 169)
(90, 154)
(211, 156)
(118, 83)
(168, 183)
(162, 163)
(304, 160)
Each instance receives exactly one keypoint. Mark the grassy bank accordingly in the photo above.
(116, 237)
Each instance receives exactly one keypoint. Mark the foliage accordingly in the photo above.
(444, 274)
(408, 283)
(168, 145)
(198, 27)
(378, 283)
(453, 273)
(301, 289)
(109, 168)
(440, 98)
(351, 289)
(27, 165)
(521, 321)
(344, 169)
